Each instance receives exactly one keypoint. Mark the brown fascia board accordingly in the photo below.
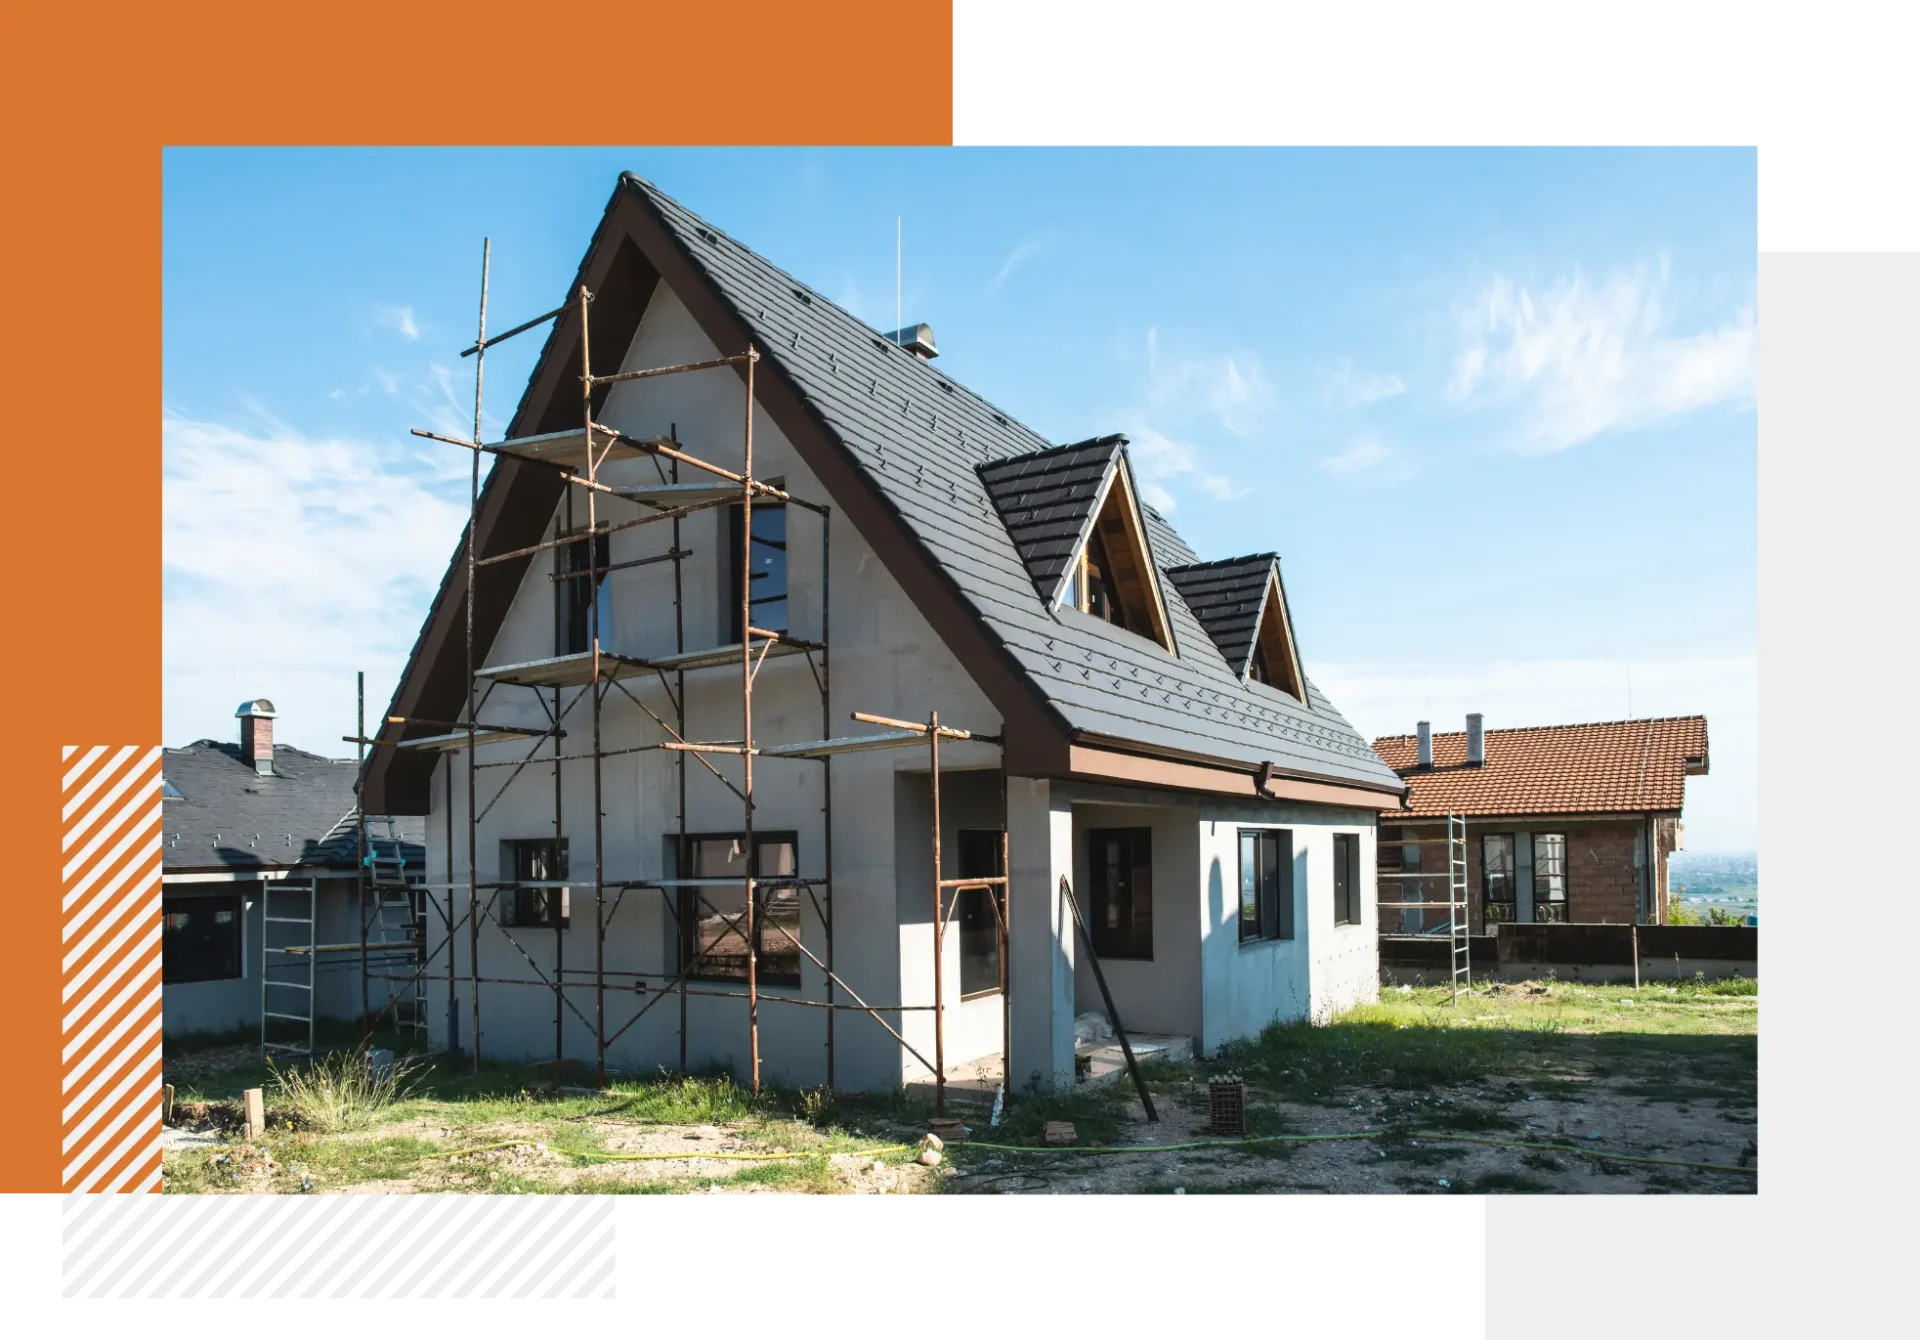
(516, 501)
(1090, 763)
(1036, 737)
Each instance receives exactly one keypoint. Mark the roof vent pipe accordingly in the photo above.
(1476, 741)
(917, 340)
(1426, 744)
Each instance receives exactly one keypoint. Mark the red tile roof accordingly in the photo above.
(1603, 767)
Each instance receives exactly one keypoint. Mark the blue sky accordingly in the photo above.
(1493, 408)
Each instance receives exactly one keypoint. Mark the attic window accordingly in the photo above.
(804, 296)
(171, 792)
(1274, 660)
(1112, 577)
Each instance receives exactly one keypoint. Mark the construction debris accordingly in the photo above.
(1058, 1133)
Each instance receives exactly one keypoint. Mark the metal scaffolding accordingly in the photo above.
(578, 457)
(1460, 957)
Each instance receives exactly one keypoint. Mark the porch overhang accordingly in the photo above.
(1093, 762)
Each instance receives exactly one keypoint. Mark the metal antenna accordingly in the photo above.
(898, 320)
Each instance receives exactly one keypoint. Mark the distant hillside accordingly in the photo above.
(1727, 880)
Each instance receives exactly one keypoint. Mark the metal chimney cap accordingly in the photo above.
(256, 707)
(916, 339)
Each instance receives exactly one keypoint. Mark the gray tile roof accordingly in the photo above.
(1225, 596)
(1045, 499)
(228, 815)
(921, 438)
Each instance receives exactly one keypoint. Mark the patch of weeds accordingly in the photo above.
(1097, 1116)
(1541, 1161)
(341, 1091)
(1499, 1184)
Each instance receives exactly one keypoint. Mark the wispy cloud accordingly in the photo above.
(1345, 386)
(1388, 698)
(1159, 461)
(1015, 259)
(288, 563)
(1371, 459)
(1579, 358)
(398, 319)
(1229, 388)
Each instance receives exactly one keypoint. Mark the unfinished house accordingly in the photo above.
(261, 889)
(795, 711)
(1561, 823)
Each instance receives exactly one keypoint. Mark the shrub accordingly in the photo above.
(343, 1090)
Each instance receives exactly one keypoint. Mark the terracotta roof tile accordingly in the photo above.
(1601, 767)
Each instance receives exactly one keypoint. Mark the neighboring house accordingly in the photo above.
(238, 820)
(1563, 823)
(1164, 749)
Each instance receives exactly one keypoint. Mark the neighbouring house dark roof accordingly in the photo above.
(1630, 767)
(916, 441)
(1225, 596)
(228, 815)
(1046, 499)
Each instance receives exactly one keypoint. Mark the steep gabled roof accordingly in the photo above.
(1242, 604)
(897, 443)
(1046, 499)
(1597, 768)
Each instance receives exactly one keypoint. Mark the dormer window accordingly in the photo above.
(1243, 606)
(1112, 575)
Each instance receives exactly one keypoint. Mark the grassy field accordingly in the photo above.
(1659, 1072)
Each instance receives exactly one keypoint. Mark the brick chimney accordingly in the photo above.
(256, 734)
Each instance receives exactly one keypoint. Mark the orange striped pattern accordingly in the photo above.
(110, 968)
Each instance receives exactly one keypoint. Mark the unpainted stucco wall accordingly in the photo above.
(1325, 967)
(884, 658)
(1161, 994)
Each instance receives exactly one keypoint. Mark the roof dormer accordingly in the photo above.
(1242, 604)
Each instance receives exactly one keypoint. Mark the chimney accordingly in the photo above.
(916, 340)
(1476, 741)
(1426, 744)
(256, 734)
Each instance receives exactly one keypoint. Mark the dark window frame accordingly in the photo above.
(1118, 941)
(1272, 919)
(204, 948)
(1565, 900)
(730, 594)
(974, 911)
(1346, 871)
(1511, 874)
(576, 598)
(689, 907)
(531, 859)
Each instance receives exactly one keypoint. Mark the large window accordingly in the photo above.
(713, 916)
(975, 912)
(200, 938)
(769, 595)
(1266, 884)
(1549, 876)
(580, 602)
(1496, 877)
(1120, 891)
(1346, 879)
(535, 862)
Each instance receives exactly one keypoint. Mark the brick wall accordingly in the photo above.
(1602, 883)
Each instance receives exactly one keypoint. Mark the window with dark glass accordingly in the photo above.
(768, 596)
(1258, 670)
(200, 938)
(713, 929)
(975, 911)
(581, 601)
(1346, 879)
(1549, 876)
(1266, 884)
(535, 866)
(1496, 877)
(1120, 891)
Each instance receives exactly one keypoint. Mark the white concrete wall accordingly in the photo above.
(1161, 994)
(1040, 844)
(1325, 967)
(884, 658)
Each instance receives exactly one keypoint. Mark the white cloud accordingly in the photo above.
(1158, 460)
(1372, 459)
(1343, 385)
(399, 319)
(1231, 389)
(289, 563)
(1721, 808)
(1015, 258)
(1578, 359)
